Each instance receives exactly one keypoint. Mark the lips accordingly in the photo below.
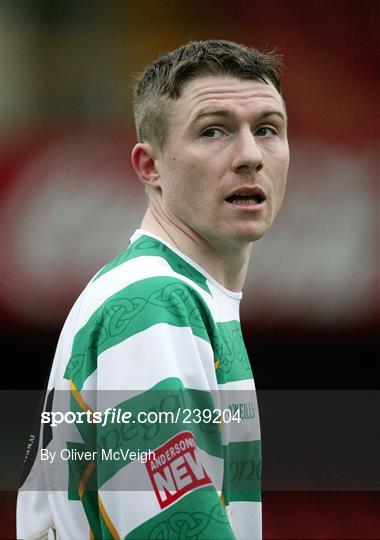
(247, 196)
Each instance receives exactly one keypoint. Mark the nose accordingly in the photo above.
(248, 156)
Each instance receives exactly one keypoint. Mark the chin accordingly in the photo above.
(250, 234)
(248, 238)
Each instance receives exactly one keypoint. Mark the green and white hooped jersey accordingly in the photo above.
(152, 331)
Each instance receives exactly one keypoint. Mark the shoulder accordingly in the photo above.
(154, 311)
(148, 276)
(149, 301)
(148, 256)
(125, 301)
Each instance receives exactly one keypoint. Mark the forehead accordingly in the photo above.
(225, 91)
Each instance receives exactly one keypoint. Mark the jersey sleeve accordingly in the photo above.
(145, 361)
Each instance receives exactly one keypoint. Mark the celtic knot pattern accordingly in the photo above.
(173, 297)
(232, 348)
(120, 312)
(149, 243)
(174, 303)
(188, 526)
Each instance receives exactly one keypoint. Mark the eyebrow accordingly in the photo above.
(224, 113)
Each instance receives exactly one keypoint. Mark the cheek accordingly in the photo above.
(280, 177)
(179, 189)
(279, 193)
(280, 172)
(190, 179)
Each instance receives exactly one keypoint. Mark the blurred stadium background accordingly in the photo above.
(70, 200)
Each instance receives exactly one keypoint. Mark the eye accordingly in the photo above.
(213, 133)
(265, 131)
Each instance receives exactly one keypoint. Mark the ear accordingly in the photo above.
(144, 162)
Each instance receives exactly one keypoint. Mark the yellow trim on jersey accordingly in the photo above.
(110, 525)
(78, 398)
(86, 474)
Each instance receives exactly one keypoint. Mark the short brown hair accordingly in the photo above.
(162, 81)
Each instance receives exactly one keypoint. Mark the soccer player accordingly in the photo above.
(157, 330)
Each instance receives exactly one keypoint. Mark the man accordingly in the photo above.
(160, 324)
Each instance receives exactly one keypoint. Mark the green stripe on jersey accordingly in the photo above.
(150, 247)
(77, 468)
(133, 309)
(242, 472)
(198, 515)
(233, 359)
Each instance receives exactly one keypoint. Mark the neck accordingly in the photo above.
(226, 262)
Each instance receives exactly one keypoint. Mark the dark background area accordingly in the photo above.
(70, 201)
(281, 359)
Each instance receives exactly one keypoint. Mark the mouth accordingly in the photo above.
(247, 197)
